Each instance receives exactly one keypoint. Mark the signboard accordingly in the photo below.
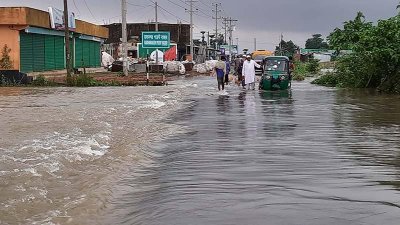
(234, 49)
(156, 39)
(57, 19)
(230, 49)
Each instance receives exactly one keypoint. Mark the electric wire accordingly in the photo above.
(177, 5)
(80, 14)
(90, 11)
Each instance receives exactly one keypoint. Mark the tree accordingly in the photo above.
(286, 48)
(375, 61)
(5, 61)
(348, 37)
(316, 42)
(398, 7)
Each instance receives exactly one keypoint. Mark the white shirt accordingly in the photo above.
(249, 72)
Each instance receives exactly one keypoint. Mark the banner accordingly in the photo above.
(57, 19)
(169, 53)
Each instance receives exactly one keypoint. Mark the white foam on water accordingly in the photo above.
(51, 167)
(154, 104)
(20, 188)
(4, 173)
(50, 216)
(91, 147)
(33, 171)
(129, 112)
(41, 192)
(224, 92)
(39, 156)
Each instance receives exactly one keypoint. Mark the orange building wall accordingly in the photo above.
(12, 15)
(39, 18)
(10, 35)
(91, 29)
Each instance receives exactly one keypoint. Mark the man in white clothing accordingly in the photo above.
(249, 72)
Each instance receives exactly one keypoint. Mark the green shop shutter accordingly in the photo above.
(59, 55)
(92, 54)
(49, 52)
(38, 52)
(26, 53)
(86, 53)
(71, 49)
(78, 53)
(97, 55)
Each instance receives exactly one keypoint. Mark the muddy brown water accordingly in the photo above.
(186, 154)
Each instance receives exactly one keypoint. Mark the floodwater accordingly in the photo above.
(185, 154)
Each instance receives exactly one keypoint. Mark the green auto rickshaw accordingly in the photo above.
(277, 74)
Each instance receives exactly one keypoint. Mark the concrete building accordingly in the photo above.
(36, 47)
(179, 34)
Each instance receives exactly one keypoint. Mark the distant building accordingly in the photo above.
(329, 55)
(322, 55)
(179, 34)
(36, 47)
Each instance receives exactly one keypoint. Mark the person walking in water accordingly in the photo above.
(249, 72)
(238, 69)
(220, 70)
(227, 70)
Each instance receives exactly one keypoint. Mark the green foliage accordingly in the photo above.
(316, 42)
(305, 69)
(300, 68)
(286, 48)
(329, 80)
(312, 66)
(82, 80)
(299, 77)
(375, 61)
(352, 32)
(3, 80)
(42, 81)
(5, 61)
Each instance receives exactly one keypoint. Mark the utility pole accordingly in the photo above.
(191, 28)
(255, 44)
(225, 23)
(208, 44)
(67, 47)
(216, 20)
(156, 26)
(124, 38)
(237, 44)
(280, 44)
(156, 9)
(208, 39)
(231, 33)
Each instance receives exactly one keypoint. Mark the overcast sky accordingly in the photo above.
(264, 20)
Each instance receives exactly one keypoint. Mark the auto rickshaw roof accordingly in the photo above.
(277, 57)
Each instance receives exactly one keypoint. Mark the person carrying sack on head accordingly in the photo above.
(220, 70)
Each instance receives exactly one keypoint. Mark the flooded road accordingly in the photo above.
(184, 154)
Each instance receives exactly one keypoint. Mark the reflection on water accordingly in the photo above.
(374, 119)
(184, 154)
(300, 157)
